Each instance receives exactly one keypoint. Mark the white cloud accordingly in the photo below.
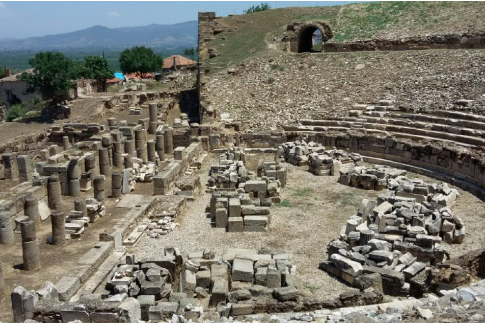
(2, 5)
(113, 14)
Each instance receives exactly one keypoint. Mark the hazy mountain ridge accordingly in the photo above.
(100, 37)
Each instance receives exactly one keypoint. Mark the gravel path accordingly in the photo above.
(316, 209)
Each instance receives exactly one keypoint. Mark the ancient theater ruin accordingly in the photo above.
(342, 182)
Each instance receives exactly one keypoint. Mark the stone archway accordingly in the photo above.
(299, 35)
(305, 37)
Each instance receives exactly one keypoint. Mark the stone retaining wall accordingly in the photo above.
(25, 143)
(459, 166)
(415, 43)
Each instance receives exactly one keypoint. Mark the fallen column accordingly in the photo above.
(58, 221)
(30, 247)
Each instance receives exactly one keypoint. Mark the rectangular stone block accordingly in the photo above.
(178, 153)
(242, 270)
(203, 278)
(220, 288)
(67, 286)
(235, 224)
(256, 223)
(221, 218)
(218, 271)
(189, 282)
(254, 210)
(273, 278)
(234, 207)
(255, 186)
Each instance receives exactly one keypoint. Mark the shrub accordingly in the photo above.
(262, 7)
(15, 111)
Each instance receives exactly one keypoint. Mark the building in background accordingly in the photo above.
(13, 90)
(177, 62)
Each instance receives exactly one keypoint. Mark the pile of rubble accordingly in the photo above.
(272, 91)
(86, 211)
(381, 177)
(143, 172)
(164, 225)
(375, 178)
(394, 242)
(464, 304)
(240, 280)
(320, 161)
(241, 200)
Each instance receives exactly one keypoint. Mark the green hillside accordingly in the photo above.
(248, 35)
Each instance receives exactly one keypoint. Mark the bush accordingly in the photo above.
(15, 111)
(262, 7)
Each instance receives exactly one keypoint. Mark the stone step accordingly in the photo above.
(461, 123)
(323, 125)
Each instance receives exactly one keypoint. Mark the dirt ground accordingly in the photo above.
(55, 261)
(312, 214)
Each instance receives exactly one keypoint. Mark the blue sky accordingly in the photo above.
(22, 19)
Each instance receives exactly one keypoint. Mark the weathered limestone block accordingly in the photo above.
(242, 270)
(352, 267)
(256, 223)
(235, 224)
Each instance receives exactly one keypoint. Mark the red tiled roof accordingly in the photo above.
(138, 76)
(179, 61)
(114, 80)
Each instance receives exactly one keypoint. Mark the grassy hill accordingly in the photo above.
(250, 34)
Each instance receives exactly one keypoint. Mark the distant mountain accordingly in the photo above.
(6, 39)
(98, 37)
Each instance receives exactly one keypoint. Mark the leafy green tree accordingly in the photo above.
(94, 67)
(3, 73)
(189, 52)
(262, 7)
(51, 75)
(141, 60)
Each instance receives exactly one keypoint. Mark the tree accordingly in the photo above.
(263, 7)
(189, 52)
(51, 75)
(3, 73)
(141, 60)
(94, 67)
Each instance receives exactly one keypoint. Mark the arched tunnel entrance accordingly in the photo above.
(307, 36)
(310, 39)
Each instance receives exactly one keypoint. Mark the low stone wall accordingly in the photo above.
(25, 143)
(165, 180)
(459, 166)
(415, 43)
